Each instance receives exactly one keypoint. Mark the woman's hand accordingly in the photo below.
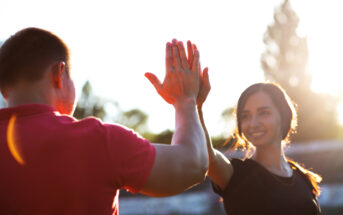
(205, 85)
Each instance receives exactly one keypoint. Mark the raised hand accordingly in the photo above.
(204, 88)
(186, 158)
(182, 78)
(205, 85)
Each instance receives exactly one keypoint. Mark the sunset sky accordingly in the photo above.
(113, 43)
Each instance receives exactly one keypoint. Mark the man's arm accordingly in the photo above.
(184, 163)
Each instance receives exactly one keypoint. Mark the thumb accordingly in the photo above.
(153, 80)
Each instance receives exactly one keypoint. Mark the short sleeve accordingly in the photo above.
(132, 157)
(238, 169)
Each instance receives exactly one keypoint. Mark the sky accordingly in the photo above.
(113, 43)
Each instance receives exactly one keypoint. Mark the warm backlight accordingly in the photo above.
(12, 141)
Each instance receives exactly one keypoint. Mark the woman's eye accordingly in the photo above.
(264, 113)
(244, 116)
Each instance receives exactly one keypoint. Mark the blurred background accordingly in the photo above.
(297, 44)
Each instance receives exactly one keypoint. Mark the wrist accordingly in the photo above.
(185, 103)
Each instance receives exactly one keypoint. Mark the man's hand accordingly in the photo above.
(182, 77)
(184, 162)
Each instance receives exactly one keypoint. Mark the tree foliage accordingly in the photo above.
(92, 105)
(135, 119)
(164, 137)
(285, 62)
(89, 104)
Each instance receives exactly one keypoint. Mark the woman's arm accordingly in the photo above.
(220, 169)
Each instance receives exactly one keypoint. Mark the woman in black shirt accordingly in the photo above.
(266, 182)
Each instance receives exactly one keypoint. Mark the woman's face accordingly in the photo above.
(260, 120)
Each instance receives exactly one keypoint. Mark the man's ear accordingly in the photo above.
(58, 71)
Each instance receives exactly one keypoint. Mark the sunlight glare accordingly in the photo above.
(12, 141)
(340, 113)
(325, 46)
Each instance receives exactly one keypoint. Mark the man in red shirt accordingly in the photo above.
(51, 163)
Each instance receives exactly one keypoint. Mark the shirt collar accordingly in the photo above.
(24, 110)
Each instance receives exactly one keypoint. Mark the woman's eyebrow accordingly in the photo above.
(259, 108)
(264, 108)
(245, 111)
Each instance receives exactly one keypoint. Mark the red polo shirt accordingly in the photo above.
(69, 166)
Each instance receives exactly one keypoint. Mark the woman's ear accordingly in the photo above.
(58, 71)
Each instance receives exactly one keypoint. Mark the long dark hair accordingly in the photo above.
(288, 114)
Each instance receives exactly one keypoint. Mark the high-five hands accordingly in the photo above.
(182, 79)
(186, 158)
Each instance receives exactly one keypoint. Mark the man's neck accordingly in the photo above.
(28, 94)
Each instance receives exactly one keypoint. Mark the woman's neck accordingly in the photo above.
(273, 158)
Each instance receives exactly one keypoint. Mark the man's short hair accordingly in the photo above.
(26, 55)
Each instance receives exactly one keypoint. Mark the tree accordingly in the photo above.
(135, 119)
(164, 137)
(89, 105)
(92, 105)
(285, 62)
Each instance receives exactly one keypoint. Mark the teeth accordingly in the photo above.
(257, 134)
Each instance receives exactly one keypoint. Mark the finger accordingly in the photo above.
(176, 55)
(194, 47)
(154, 81)
(183, 56)
(169, 58)
(190, 53)
(199, 67)
(205, 77)
(196, 63)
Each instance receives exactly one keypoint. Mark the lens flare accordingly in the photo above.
(12, 141)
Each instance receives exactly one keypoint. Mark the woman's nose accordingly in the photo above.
(254, 121)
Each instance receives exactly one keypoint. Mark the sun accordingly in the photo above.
(325, 63)
(326, 70)
(325, 47)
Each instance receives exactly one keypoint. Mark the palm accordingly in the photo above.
(182, 77)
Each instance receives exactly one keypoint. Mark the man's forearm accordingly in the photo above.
(189, 135)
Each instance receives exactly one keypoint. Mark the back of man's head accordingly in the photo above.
(26, 55)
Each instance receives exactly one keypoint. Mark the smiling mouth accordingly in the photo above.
(257, 134)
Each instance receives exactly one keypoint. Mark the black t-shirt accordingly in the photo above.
(253, 190)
